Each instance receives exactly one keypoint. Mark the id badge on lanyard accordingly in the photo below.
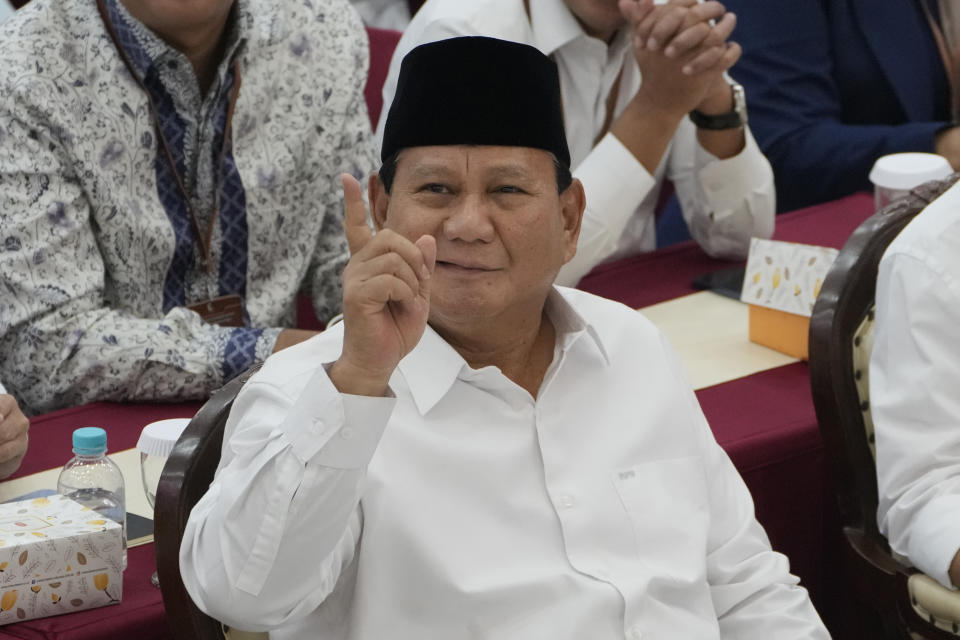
(225, 310)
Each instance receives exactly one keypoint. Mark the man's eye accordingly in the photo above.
(434, 187)
(509, 188)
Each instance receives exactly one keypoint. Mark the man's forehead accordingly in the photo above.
(457, 159)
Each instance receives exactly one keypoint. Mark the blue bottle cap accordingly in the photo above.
(89, 441)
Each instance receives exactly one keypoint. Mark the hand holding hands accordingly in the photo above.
(13, 435)
(681, 54)
(386, 299)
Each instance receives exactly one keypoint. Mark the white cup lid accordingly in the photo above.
(908, 170)
(158, 438)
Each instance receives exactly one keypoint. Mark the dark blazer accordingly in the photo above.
(832, 85)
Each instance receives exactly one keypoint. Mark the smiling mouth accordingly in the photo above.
(463, 267)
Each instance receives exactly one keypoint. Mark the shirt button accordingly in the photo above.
(346, 433)
(319, 426)
(567, 502)
(635, 633)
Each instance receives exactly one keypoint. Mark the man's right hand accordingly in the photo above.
(681, 53)
(386, 299)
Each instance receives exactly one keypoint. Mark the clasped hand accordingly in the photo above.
(14, 427)
(682, 49)
(386, 299)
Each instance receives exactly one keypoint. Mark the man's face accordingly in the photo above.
(502, 230)
(599, 18)
(172, 17)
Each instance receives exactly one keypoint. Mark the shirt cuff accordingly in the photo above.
(334, 429)
(239, 352)
(935, 538)
(265, 343)
(615, 183)
(727, 182)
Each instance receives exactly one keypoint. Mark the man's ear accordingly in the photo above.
(379, 201)
(573, 201)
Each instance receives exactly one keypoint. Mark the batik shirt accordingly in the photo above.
(98, 257)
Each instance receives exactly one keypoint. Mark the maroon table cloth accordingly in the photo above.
(765, 422)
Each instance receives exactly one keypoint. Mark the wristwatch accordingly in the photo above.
(729, 120)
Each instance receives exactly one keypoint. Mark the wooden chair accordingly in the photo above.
(892, 599)
(185, 478)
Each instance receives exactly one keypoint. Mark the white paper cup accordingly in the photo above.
(894, 175)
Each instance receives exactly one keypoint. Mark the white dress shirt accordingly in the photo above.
(915, 388)
(464, 508)
(724, 202)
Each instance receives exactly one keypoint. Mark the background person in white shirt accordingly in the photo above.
(915, 390)
(473, 452)
(13, 434)
(626, 136)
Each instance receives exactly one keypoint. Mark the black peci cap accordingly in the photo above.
(476, 90)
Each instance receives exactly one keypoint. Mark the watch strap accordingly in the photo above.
(733, 119)
(718, 122)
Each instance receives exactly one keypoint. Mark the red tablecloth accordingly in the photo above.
(765, 422)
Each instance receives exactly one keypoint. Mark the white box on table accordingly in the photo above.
(57, 556)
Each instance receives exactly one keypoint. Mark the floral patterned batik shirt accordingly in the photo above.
(98, 253)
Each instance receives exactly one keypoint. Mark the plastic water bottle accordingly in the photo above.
(94, 480)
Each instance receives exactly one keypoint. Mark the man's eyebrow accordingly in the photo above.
(429, 170)
(511, 171)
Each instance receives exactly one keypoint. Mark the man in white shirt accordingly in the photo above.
(530, 463)
(914, 385)
(13, 433)
(626, 136)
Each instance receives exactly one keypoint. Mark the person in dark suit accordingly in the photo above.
(835, 84)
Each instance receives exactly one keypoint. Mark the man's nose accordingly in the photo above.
(470, 221)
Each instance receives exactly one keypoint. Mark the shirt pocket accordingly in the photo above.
(667, 504)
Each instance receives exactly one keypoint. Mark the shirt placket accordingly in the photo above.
(574, 505)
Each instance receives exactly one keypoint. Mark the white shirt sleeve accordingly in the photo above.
(615, 184)
(915, 400)
(754, 594)
(724, 202)
(284, 505)
(2, 388)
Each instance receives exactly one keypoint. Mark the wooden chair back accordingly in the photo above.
(840, 339)
(185, 478)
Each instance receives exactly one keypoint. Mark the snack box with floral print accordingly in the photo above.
(781, 283)
(57, 556)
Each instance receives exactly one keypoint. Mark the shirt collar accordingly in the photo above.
(433, 366)
(554, 26)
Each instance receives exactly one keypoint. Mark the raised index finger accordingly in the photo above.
(355, 225)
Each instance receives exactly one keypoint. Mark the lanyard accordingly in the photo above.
(203, 239)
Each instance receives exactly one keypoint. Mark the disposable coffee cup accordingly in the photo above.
(894, 175)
